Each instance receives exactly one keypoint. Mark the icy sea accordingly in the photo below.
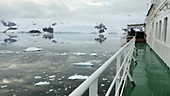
(62, 63)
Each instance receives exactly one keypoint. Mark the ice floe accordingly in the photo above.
(52, 76)
(42, 83)
(63, 54)
(4, 86)
(66, 89)
(33, 49)
(78, 53)
(77, 77)
(6, 52)
(52, 79)
(51, 90)
(104, 79)
(37, 77)
(93, 54)
(83, 64)
(102, 85)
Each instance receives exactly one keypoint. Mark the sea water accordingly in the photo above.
(46, 72)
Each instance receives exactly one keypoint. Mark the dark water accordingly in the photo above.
(18, 69)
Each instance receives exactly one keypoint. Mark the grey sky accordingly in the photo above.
(114, 13)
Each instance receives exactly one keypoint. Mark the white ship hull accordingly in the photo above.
(158, 29)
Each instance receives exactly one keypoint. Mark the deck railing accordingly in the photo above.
(123, 60)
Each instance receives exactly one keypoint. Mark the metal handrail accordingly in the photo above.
(92, 81)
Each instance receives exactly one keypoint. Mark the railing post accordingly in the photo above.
(117, 69)
(93, 89)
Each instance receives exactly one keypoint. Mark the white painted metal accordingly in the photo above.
(160, 46)
(93, 90)
(91, 82)
(117, 69)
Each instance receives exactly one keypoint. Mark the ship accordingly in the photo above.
(142, 68)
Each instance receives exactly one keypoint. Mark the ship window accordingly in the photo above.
(156, 31)
(160, 25)
(152, 28)
(165, 28)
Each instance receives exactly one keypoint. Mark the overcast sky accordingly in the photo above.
(113, 13)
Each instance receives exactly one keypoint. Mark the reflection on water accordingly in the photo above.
(9, 39)
(101, 38)
(21, 71)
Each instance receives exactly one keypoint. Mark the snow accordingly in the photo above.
(42, 83)
(33, 49)
(83, 64)
(77, 77)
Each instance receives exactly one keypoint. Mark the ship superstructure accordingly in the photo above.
(158, 28)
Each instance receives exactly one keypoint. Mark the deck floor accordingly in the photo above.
(151, 76)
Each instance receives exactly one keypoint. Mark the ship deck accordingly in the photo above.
(151, 76)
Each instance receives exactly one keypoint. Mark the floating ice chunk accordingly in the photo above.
(42, 83)
(59, 79)
(6, 52)
(4, 86)
(78, 77)
(63, 54)
(104, 79)
(66, 89)
(52, 79)
(102, 85)
(83, 64)
(25, 90)
(51, 90)
(37, 77)
(93, 54)
(52, 76)
(32, 49)
(79, 54)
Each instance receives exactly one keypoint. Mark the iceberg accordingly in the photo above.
(78, 77)
(83, 64)
(42, 83)
(33, 49)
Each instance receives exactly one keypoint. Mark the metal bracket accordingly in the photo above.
(134, 60)
(131, 79)
(136, 51)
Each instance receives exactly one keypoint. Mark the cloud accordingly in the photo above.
(115, 13)
(52, 8)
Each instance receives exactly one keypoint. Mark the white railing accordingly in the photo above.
(125, 54)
